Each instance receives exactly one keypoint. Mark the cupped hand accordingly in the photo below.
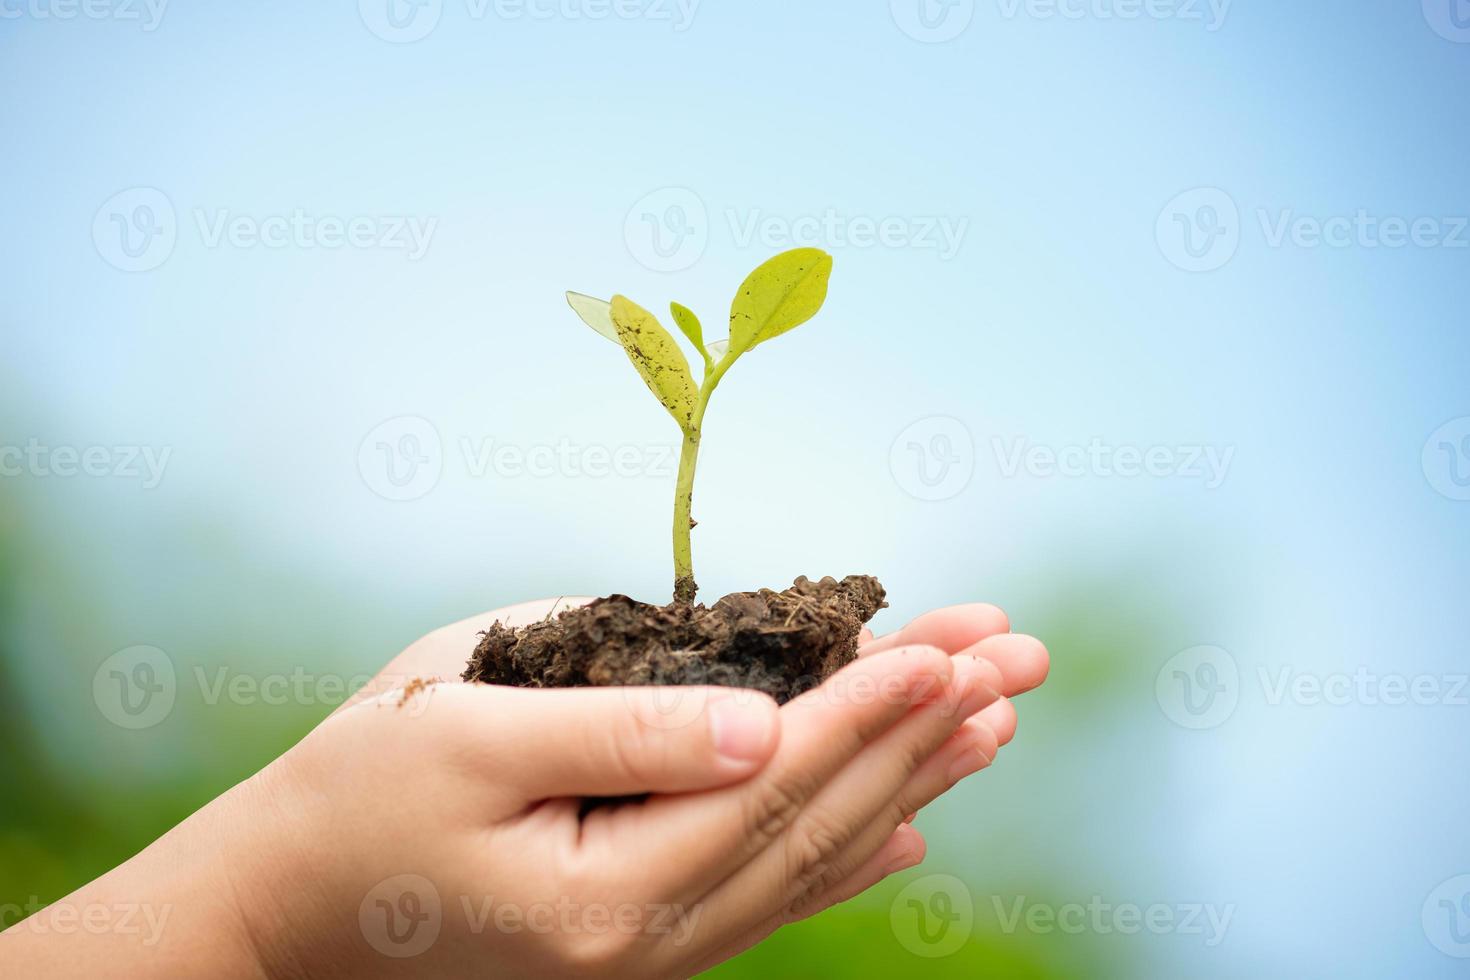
(759, 816)
(432, 828)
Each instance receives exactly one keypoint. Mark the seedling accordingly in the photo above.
(781, 295)
(777, 642)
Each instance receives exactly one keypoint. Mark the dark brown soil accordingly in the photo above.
(782, 643)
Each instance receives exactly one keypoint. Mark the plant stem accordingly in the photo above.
(685, 588)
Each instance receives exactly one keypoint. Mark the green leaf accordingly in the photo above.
(781, 295)
(596, 313)
(657, 358)
(689, 324)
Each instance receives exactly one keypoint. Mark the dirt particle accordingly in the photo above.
(416, 687)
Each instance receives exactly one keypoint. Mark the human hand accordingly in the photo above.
(880, 848)
(449, 825)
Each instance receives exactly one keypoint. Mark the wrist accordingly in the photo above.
(271, 877)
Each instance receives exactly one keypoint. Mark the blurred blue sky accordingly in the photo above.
(1132, 196)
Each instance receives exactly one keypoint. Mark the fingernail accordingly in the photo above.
(903, 864)
(971, 760)
(742, 727)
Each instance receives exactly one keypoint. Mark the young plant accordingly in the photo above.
(782, 294)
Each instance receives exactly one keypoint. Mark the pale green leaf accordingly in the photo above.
(596, 313)
(781, 295)
(657, 358)
(717, 350)
(689, 324)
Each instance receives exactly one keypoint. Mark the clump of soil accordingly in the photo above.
(782, 643)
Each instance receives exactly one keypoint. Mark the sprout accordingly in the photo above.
(779, 296)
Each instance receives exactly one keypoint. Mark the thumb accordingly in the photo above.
(622, 741)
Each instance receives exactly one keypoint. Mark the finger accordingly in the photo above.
(993, 727)
(904, 849)
(822, 731)
(978, 734)
(442, 654)
(951, 629)
(1022, 659)
(968, 751)
(836, 831)
(546, 744)
(973, 748)
(1000, 718)
(977, 629)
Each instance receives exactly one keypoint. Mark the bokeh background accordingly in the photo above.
(1148, 323)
